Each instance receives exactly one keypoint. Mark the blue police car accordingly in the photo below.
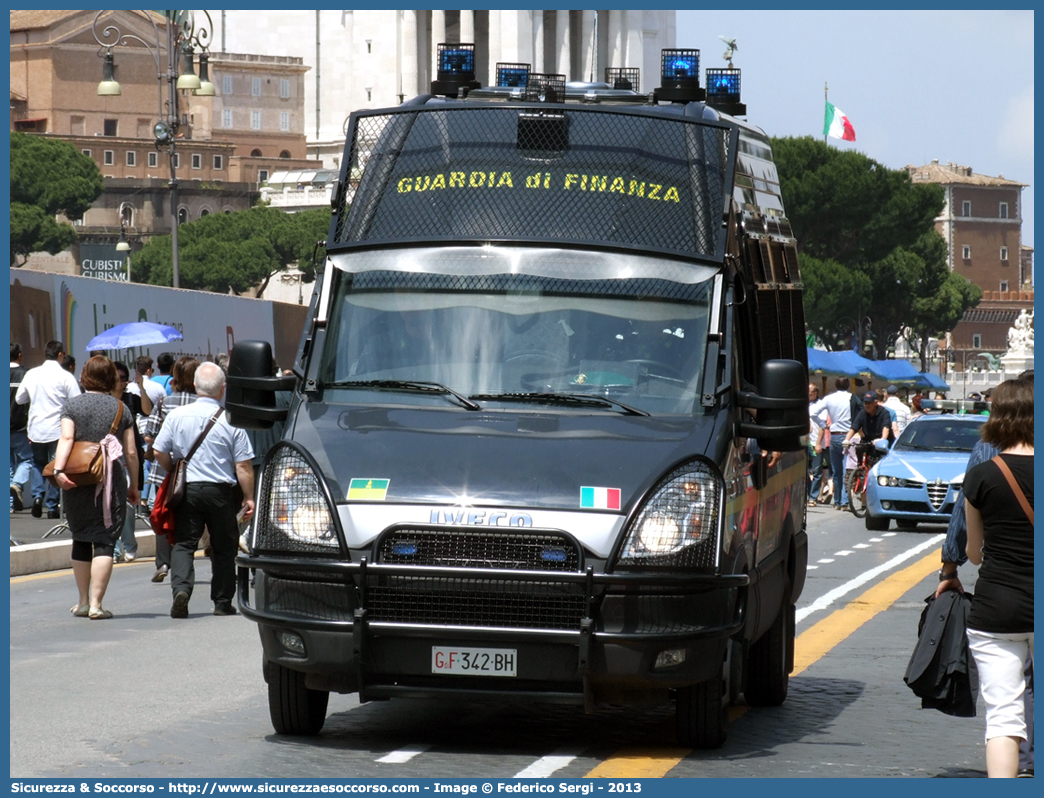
(919, 479)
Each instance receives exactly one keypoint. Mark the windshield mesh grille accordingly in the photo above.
(466, 173)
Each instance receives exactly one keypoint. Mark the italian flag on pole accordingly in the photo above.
(837, 125)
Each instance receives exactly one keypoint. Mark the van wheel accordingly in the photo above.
(770, 658)
(295, 709)
(700, 714)
(877, 524)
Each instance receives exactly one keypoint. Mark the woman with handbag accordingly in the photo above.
(998, 501)
(95, 509)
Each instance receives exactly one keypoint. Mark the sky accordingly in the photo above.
(916, 85)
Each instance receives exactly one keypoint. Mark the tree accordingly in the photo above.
(235, 251)
(48, 176)
(867, 244)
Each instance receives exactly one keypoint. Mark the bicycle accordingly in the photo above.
(856, 481)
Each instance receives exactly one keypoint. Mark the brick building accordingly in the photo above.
(982, 225)
(227, 144)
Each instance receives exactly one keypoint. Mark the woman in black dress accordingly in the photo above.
(1000, 537)
(94, 519)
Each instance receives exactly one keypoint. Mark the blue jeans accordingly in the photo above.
(43, 453)
(817, 461)
(837, 466)
(22, 461)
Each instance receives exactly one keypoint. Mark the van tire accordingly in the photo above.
(768, 664)
(295, 709)
(700, 714)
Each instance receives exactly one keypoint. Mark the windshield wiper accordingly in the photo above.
(406, 385)
(561, 398)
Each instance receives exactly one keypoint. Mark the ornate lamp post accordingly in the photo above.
(183, 37)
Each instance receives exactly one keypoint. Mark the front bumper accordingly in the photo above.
(579, 637)
(913, 504)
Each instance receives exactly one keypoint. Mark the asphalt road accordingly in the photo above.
(143, 695)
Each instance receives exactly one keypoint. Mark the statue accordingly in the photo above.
(731, 45)
(1020, 337)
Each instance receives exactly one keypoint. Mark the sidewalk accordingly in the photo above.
(38, 553)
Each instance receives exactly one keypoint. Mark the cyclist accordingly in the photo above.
(873, 422)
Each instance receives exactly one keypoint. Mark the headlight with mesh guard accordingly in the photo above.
(294, 512)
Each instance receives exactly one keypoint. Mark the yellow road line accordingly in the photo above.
(812, 645)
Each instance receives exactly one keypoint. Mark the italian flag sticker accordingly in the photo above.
(600, 498)
(368, 489)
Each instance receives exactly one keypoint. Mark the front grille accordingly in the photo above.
(326, 601)
(937, 493)
(475, 601)
(465, 548)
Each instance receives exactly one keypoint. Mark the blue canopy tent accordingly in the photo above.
(932, 382)
(889, 372)
(844, 364)
(896, 372)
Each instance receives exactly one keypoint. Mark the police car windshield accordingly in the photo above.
(954, 434)
(637, 341)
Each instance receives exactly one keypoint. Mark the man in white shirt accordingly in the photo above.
(838, 407)
(46, 388)
(902, 412)
(817, 420)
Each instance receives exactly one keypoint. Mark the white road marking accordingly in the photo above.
(811, 567)
(404, 754)
(876, 540)
(861, 546)
(844, 553)
(828, 598)
(889, 534)
(824, 562)
(547, 765)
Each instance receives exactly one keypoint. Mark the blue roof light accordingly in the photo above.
(723, 83)
(514, 76)
(678, 65)
(457, 60)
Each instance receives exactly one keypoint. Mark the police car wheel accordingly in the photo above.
(768, 670)
(295, 709)
(877, 523)
(700, 714)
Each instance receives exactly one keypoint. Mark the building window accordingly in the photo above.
(109, 127)
(226, 84)
(1004, 253)
(182, 215)
(284, 88)
(219, 163)
(369, 45)
(1003, 285)
(1003, 210)
(966, 252)
(966, 208)
(197, 161)
(86, 152)
(255, 120)
(255, 87)
(108, 158)
(226, 118)
(369, 94)
(262, 175)
(176, 160)
(284, 120)
(284, 154)
(132, 158)
(255, 153)
(977, 341)
(153, 159)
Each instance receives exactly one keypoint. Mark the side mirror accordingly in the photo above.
(881, 446)
(782, 406)
(250, 394)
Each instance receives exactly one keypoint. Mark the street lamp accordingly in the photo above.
(182, 37)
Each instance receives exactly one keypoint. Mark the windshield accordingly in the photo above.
(942, 436)
(523, 341)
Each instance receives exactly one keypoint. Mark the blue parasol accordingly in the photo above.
(134, 334)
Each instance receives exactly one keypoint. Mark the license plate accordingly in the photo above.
(474, 661)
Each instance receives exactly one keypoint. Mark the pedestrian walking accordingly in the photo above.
(95, 513)
(220, 463)
(900, 412)
(817, 456)
(165, 363)
(22, 474)
(46, 389)
(838, 407)
(127, 543)
(183, 392)
(999, 514)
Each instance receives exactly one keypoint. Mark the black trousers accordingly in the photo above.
(209, 505)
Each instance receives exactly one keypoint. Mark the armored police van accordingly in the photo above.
(548, 415)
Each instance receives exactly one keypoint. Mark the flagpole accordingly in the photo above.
(825, 101)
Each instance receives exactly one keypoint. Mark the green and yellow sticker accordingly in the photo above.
(372, 490)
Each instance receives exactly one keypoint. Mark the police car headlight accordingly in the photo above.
(679, 524)
(293, 512)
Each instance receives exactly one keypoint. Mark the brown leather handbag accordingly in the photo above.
(85, 464)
